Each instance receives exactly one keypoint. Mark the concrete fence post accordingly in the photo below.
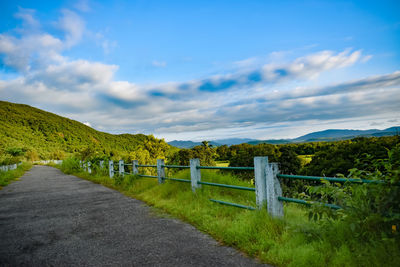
(195, 175)
(101, 164)
(89, 164)
(111, 168)
(135, 169)
(260, 164)
(160, 170)
(80, 164)
(121, 167)
(274, 190)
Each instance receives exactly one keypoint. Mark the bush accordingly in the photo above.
(371, 211)
(70, 165)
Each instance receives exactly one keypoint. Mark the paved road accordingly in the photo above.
(52, 219)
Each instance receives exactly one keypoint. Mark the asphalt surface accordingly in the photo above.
(52, 219)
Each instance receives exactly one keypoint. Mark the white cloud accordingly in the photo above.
(22, 53)
(312, 65)
(160, 64)
(72, 25)
(27, 17)
(82, 5)
(77, 73)
(250, 98)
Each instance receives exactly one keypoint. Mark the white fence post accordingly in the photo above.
(274, 190)
(101, 163)
(121, 167)
(111, 168)
(160, 170)
(260, 164)
(135, 169)
(195, 175)
(88, 167)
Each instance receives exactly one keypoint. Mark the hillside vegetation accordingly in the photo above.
(35, 134)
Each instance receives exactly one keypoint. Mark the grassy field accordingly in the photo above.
(9, 176)
(291, 241)
(222, 163)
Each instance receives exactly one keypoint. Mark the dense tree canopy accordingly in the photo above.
(34, 134)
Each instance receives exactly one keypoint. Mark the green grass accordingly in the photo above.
(291, 241)
(222, 163)
(9, 176)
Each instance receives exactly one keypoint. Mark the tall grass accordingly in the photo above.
(9, 176)
(290, 241)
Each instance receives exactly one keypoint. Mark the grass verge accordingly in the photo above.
(9, 176)
(291, 241)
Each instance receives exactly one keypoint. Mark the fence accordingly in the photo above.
(5, 168)
(55, 161)
(266, 176)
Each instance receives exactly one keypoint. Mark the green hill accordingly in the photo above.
(36, 134)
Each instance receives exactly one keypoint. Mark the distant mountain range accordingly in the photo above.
(327, 135)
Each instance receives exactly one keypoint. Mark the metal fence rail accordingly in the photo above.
(228, 186)
(308, 203)
(176, 166)
(151, 166)
(330, 179)
(148, 176)
(226, 168)
(232, 204)
(267, 184)
(177, 179)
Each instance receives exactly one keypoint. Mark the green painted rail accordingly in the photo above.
(152, 166)
(176, 166)
(330, 179)
(148, 176)
(177, 179)
(127, 164)
(232, 204)
(127, 173)
(228, 186)
(225, 168)
(308, 203)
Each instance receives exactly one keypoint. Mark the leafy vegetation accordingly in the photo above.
(372, 211)
(204, 152)
(33, 134)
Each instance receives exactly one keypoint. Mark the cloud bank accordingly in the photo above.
(248, 98)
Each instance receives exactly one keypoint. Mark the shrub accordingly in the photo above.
(371, 211)
(70, 165)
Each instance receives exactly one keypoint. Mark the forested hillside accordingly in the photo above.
(35, 134)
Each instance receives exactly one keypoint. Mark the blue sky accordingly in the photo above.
(206, 69)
